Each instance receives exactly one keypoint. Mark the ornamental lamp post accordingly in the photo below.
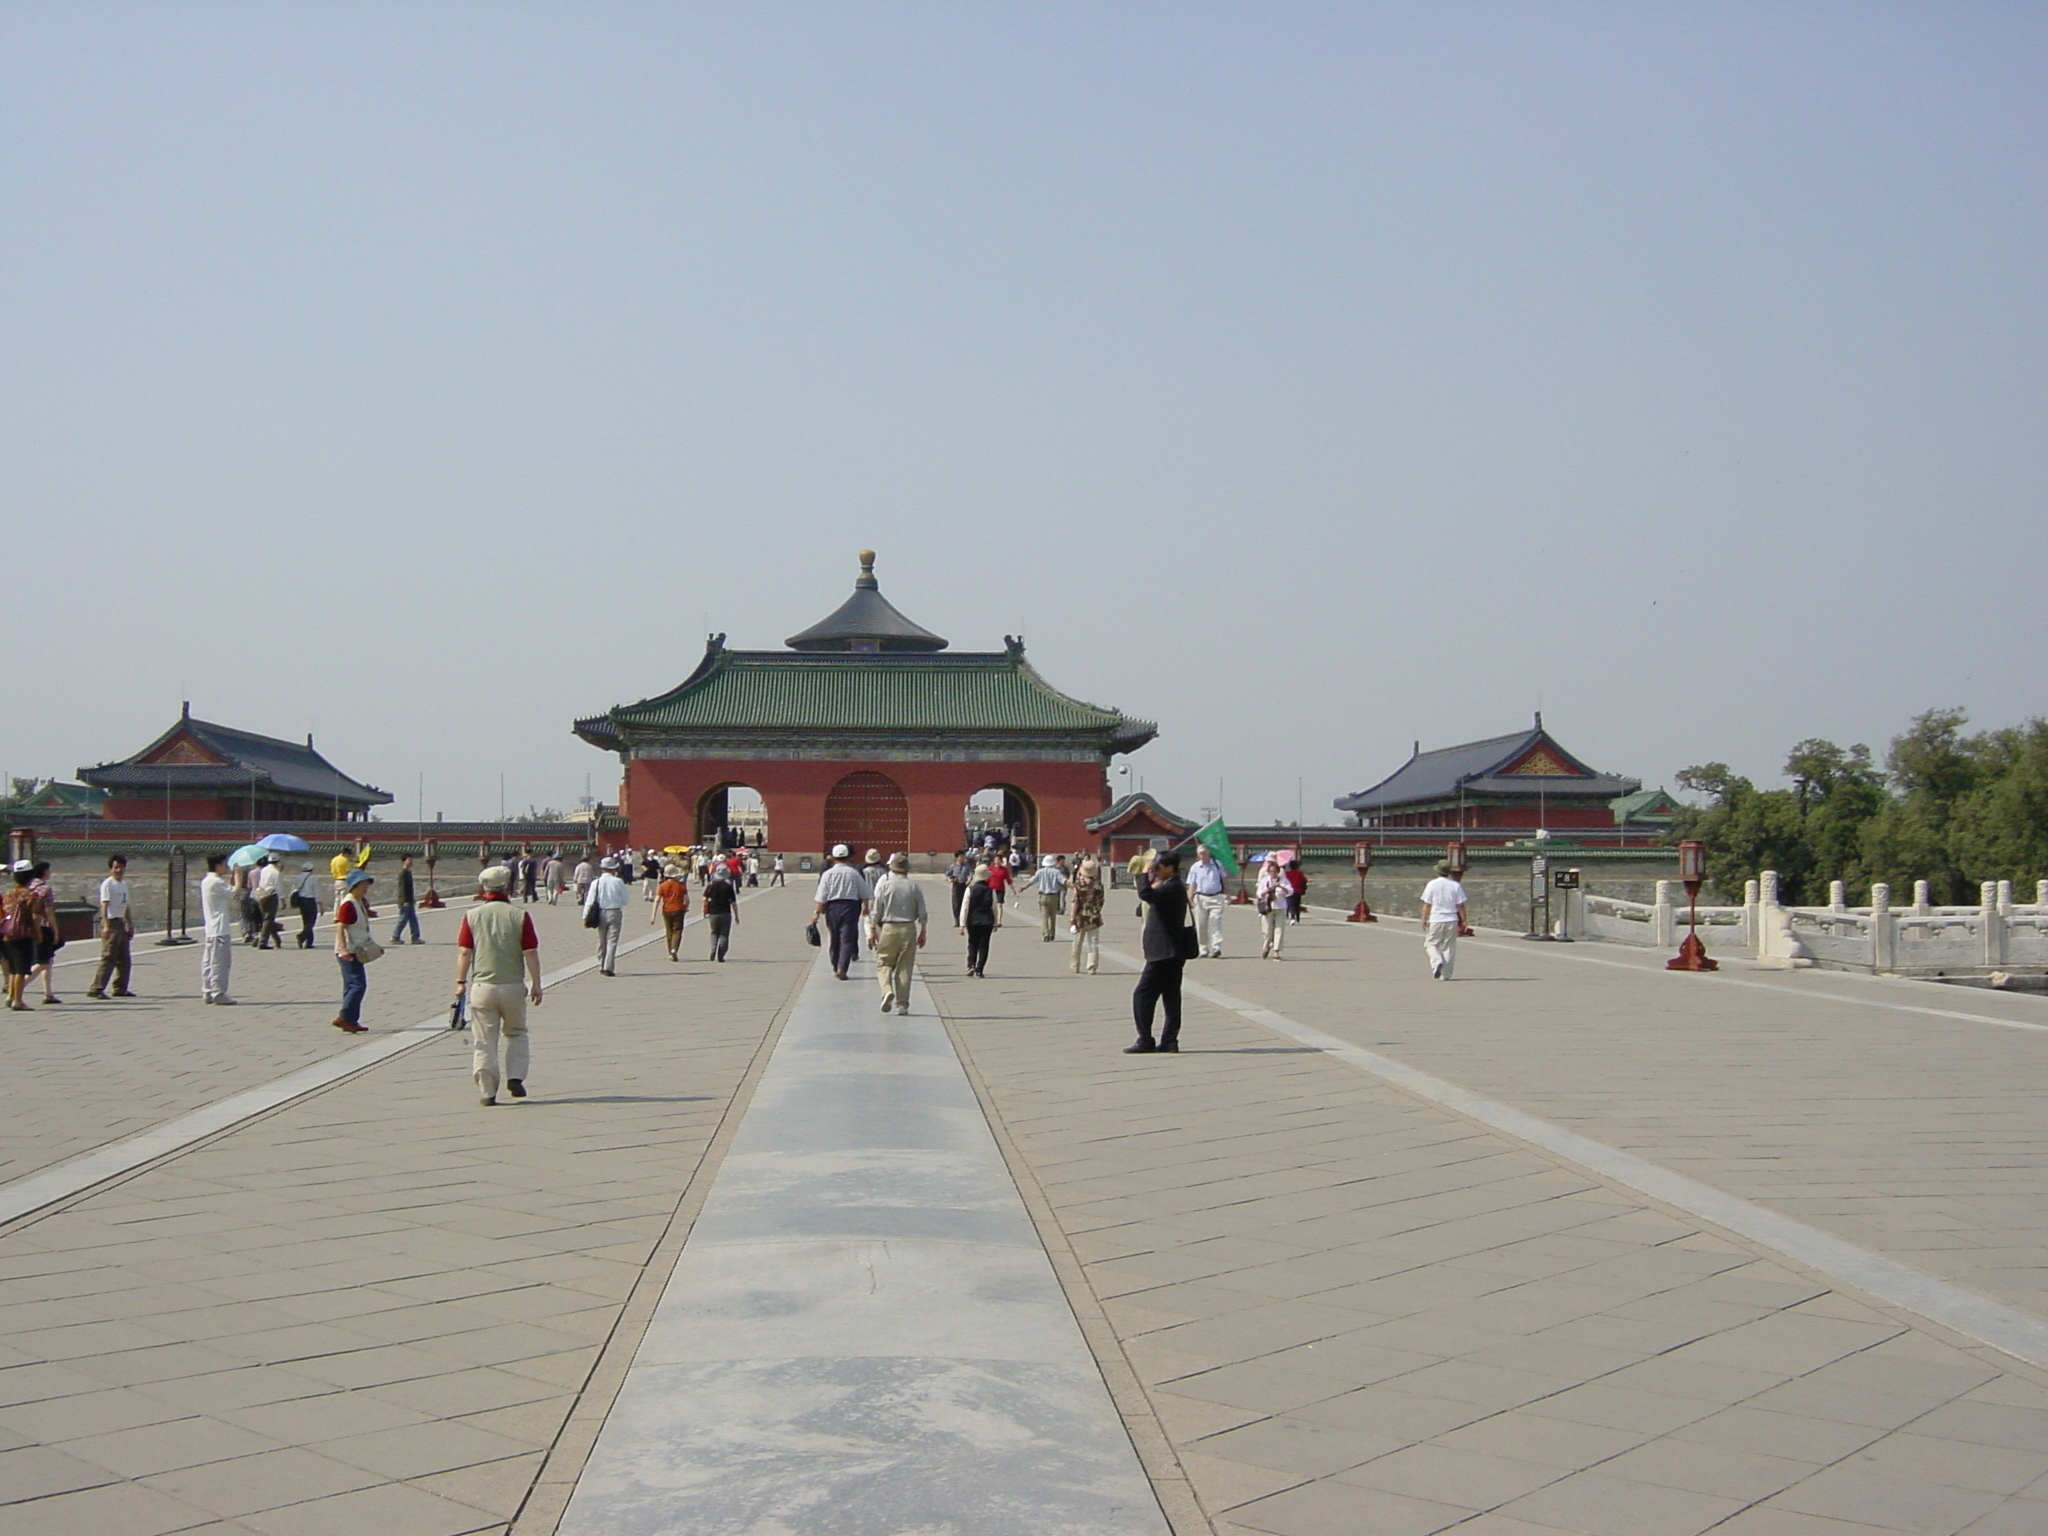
(1243, 897)
(1692, 869)
(1361, 860)
(1454, 855)
(431, 847)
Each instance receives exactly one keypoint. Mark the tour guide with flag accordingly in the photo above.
(1215, 862)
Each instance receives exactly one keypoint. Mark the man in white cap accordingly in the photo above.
(897, 927)
(608, 898)
(497, 966)
(1051, 883)
(842, 898)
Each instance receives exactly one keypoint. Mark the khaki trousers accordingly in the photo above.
(1087, 950)
(1049, 909)
(895, 961)
(1208, 915)
(1440, 947)
(1274, 928)
(496, 1010)
(114, 960)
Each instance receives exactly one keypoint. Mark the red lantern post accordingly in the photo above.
(431, 847)
(1243, 897)
(1361, 859)
(1454, 855)
(1692, 869)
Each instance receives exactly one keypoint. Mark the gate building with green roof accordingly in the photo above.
(869, 731)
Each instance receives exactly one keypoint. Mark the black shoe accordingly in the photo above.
(1142, 1048)
(1170, 1045)
(124, 992)
(96, 996)
(516, 1086)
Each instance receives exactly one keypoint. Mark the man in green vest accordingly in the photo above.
(497, 965)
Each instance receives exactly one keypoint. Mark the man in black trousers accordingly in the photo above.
(1169, 942)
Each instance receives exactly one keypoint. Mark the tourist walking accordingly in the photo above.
(1051, 884)
(218, 900)
(778, 875)
(269, 899)
(841, 898)
(1443, 914)
(117, 932)
(897, 928)
(306, 901)
(22, 920)
(1205, 886)
(529, 878)
(721, 908)
(554, 874)
(354, 949)
(1169, 943)
(408, 905)
(497, 973)
(48, 941)
(872, 871)
(1084, 916)
(583, 876)
(607, 901)
(980, 916)
(998, 879)
(1269, 898)
(252, 915)
(958, 873)
(1297, 886)
(672, 901)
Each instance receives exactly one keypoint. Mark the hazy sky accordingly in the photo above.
(1308, 378)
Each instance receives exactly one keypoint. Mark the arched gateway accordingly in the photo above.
(866, 721)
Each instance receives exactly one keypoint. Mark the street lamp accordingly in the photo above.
(1361, 860)
(1454, 855)
(1692, 869)
(431, 847)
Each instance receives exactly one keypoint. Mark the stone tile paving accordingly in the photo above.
(378, 1309)
(1352, 1311)
(1917, 1137)
(86, 1073)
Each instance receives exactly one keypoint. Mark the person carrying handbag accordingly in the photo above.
(354, 949)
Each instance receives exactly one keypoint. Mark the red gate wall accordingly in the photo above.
(661, 796)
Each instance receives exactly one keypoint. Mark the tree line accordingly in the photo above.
(1952, 809)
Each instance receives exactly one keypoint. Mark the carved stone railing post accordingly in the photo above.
(1921, 905)
(2041, 893)
(1838, 896)
(1884, 930)
(1752, 925)
(1994, 924)
(2005, 898)
(1664, 917)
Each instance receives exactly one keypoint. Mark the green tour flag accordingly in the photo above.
(1214, 838)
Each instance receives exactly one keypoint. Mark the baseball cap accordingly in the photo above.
(20, 867)
(496, 878)
(839, 851)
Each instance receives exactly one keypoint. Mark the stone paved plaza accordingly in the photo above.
(1570, 1244)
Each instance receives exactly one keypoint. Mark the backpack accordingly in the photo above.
(19, 920)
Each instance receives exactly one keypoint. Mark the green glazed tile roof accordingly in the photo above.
(785, 691)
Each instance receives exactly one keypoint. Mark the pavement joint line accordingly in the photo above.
(600, 1389)
(1952, 1306)
(47, 1187)
(1723, 979)
(863, 1329)
(1170, 1481)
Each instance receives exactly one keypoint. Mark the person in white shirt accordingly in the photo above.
(608, 898)
(779, 873)
(1050, 882)
(1206, 901)
(1443, 914)
(842, 897)
(269, 890)
(117, 929)
(306, 902)
(218, 903)
(897, 927)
